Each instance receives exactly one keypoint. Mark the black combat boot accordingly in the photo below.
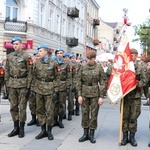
(70, 115)
(37, 122)
(92, 138)
(60, 124)
(15, 131)
(42, 133)
(77, 111)
(132, 139)
(85, 135)
(55, 121)
(33, 121)
(21, 131)
(64, 116)
(49, 132)
(125, 138)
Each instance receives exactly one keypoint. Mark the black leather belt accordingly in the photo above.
(63, 80)
(45, 80)
(90, 84)
(18, 77)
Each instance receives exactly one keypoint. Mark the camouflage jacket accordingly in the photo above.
(91, 81)
(75, 68)
(63, 80)
(44, 76)
(17, 70)
(141, 77)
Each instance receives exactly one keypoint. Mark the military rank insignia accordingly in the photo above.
(58, 68)
(30, 61)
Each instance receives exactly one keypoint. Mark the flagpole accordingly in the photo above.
(121, 120)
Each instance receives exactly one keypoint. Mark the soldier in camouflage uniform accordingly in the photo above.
(17, 71)
(63, 83)
(90, 95)
(132, 103)
(44, 74)
(32, 97)
(76, 67)
(72, 87)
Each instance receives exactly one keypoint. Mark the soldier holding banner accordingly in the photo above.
(132, 103)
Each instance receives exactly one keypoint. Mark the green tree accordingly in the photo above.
(142, 35)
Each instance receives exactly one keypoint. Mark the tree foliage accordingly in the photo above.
(142, 35)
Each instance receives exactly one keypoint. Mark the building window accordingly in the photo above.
(41, 15)
(50, 20)
(63, 27)
(11, 10)
(69, 29)
(58, 24)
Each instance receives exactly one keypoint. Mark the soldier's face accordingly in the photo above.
(91, 61)
(73, 59)
(60, 54)
(134, 56)
(17, 45)
(42, 53)
(84, 63)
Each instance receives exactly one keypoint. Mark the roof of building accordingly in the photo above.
(112, 24)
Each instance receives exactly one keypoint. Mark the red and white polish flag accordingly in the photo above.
(123, 78)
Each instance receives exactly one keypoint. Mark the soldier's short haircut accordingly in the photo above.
(91, 54)
(134, 51)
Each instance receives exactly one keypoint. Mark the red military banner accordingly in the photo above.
(123, 78)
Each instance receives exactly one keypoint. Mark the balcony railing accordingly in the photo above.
(13, 25)
(96, 22)
(73, 12)
(71, 41)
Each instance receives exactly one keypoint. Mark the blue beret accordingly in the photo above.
(66, 54)
(43, 46)
(16, 38)
(36, 52)
(72, 55)
(83, 59)
(58, 50)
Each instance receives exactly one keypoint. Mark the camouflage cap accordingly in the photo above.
(134, 51)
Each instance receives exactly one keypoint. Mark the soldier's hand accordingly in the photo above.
(67, 91)
(80, 100)
(100, 101)
(55, 97)
(27, 93)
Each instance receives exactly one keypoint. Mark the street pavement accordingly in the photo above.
(67, 139)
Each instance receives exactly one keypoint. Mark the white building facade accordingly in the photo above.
(57, 23)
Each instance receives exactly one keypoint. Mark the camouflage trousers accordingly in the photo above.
(45, 109)
(76, 98)
(70, 101)
(32, 103)
(60, 104)
(132, 110)
(90, 110)
(18, 104)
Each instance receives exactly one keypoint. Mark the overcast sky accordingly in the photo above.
(138, 12)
